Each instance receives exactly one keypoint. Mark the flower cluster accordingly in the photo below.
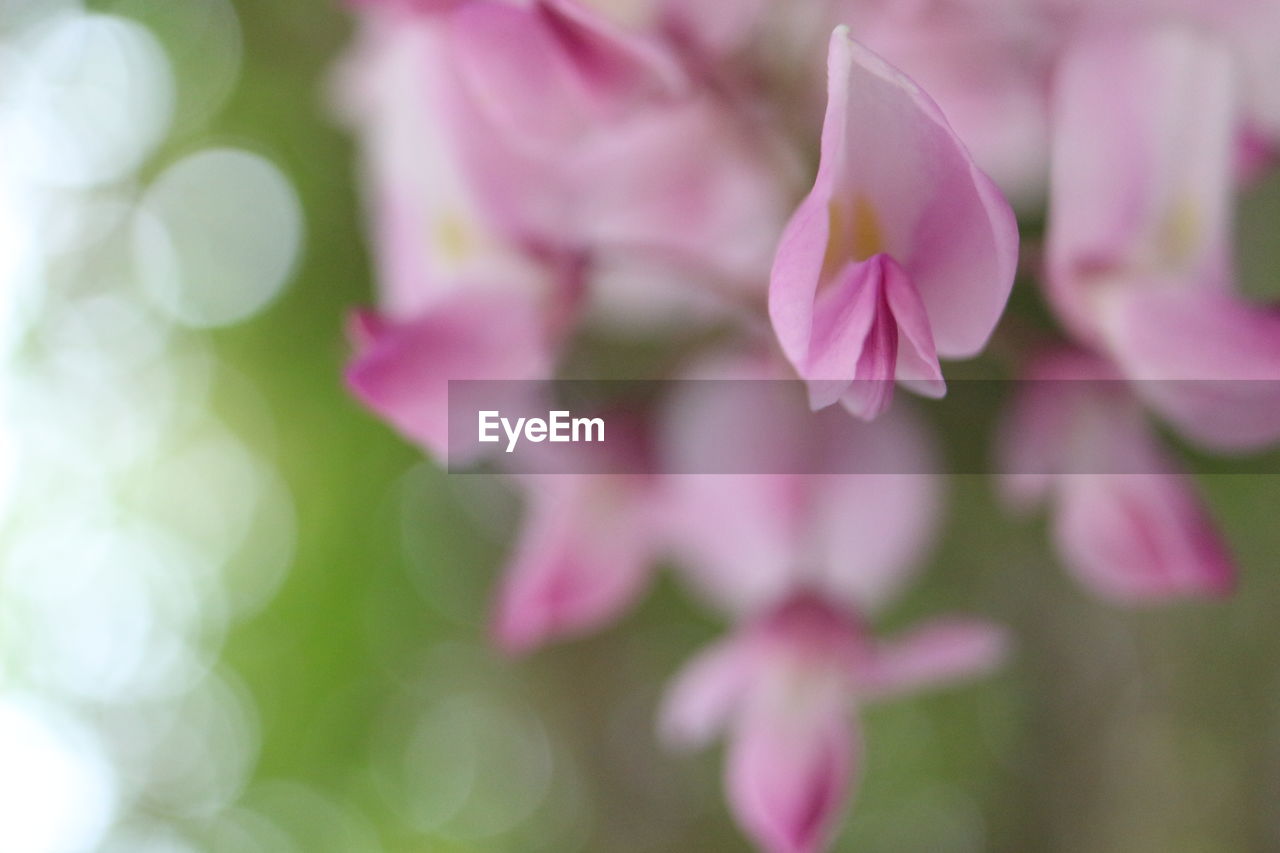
(536, 167)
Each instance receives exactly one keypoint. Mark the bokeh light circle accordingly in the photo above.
(217, 236)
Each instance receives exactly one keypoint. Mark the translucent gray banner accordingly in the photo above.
(730, 426)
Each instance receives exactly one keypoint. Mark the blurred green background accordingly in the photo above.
(340, 694)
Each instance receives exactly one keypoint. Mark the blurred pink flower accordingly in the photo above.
(902, 252)
(459, 298)
(589, 138)
(799, 560)
(1139, 248)
(785, 685)
(1142, 168)
(430, 232)
(1126, 522)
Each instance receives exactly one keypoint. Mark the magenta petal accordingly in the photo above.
(402, 370)
(789, 773)
(894, 182)
(869, 328)
(364, 328)
(939, 653)
(853, 337)
(513, 67)
(917, 366)
(582, 557)
(1137, 538)
(705, 694)
(939, 217)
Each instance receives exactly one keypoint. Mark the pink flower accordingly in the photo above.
(1125, 521)
(1142, 165)
(459, 298)
(430, 232)
(593, 139)
(1139, 249)
(798, 559)
(902, 252)
(785, 686)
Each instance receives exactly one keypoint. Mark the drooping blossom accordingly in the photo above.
(589, 138)
(902, 252)
(1140, 224)
(1125, 520)
(785, 687)
(801, 562)
(459, 298)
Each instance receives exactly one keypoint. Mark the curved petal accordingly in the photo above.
(789, 772)
(583, 556)
(402, 370)
(869, 329)
(430, 234)
(987, 65)
(939, 653)
(1207, 361)
(705, 694)
(1140, 538)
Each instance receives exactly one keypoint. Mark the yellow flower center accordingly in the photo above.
(1180, 231)
(453, 238)
(854, 233)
